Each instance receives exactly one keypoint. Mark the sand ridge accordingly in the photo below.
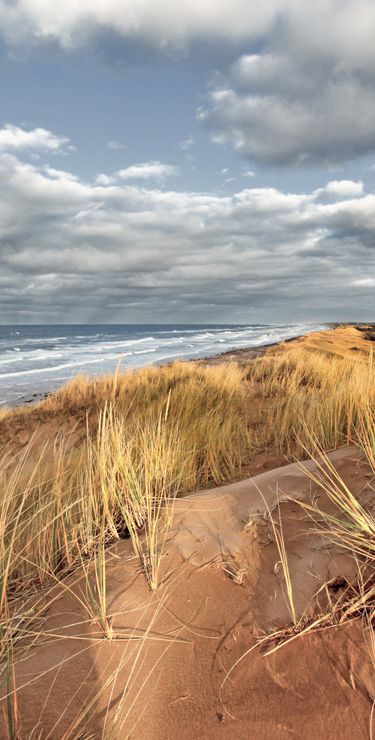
(221, 588)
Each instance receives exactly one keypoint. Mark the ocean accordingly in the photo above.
(37, 359)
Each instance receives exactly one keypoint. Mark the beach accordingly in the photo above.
(188, 548)
(35, 360)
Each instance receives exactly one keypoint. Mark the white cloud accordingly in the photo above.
(365, 283)
(68, 248)
(317, 29)
(161, 23)
(344, 188)
(186, 144)
(58, 174)
(14, 138)
(116, 145)
(279, 109)
(144, 171)
(147, 171)
(308, 97)
(104, 179)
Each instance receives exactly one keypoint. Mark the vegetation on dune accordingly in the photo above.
(158, 434)
(180, 431)
(350, 526)
(163, 432)
(152, 435)
(314, 397)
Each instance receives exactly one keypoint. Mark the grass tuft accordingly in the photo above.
(149, 436)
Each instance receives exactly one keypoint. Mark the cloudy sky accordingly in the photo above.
(208, 161)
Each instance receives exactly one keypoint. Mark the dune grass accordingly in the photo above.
(163, 435)
(160, 433)
(170, 439)
(312, 395)
(351, 527)
(148, 437)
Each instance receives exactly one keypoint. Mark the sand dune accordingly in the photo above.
(163, 675)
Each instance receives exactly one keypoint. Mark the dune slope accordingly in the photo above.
(170, 669)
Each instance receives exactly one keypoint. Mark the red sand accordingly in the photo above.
(221, 587)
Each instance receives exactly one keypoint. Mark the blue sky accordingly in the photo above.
(147, 105)
(187, 165)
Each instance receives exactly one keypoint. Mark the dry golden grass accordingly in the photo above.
(322, 379)
(136, 390)
(351, 527)
(150, 436)
(313, 396)
(162, 432)
(175, 433)
(158, 436)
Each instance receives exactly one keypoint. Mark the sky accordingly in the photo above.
(180, 163)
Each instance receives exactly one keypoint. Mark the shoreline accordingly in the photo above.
(243, 354)
(239, 355)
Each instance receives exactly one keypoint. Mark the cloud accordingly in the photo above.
(161, 24)
(147, 171)
(14, 138)
(144, 171)
(186, 144)
(276, 110)
(365, 282)
(343, 188)
(116, 145)
(71, 250)
(104, 179)
(307, 97)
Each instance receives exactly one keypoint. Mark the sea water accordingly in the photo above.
(37, 359)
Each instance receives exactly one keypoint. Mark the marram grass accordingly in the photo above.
(153, 435)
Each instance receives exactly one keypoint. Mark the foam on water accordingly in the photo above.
(37, 359)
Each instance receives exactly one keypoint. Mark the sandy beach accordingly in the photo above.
(204, 580)
(37, 360)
